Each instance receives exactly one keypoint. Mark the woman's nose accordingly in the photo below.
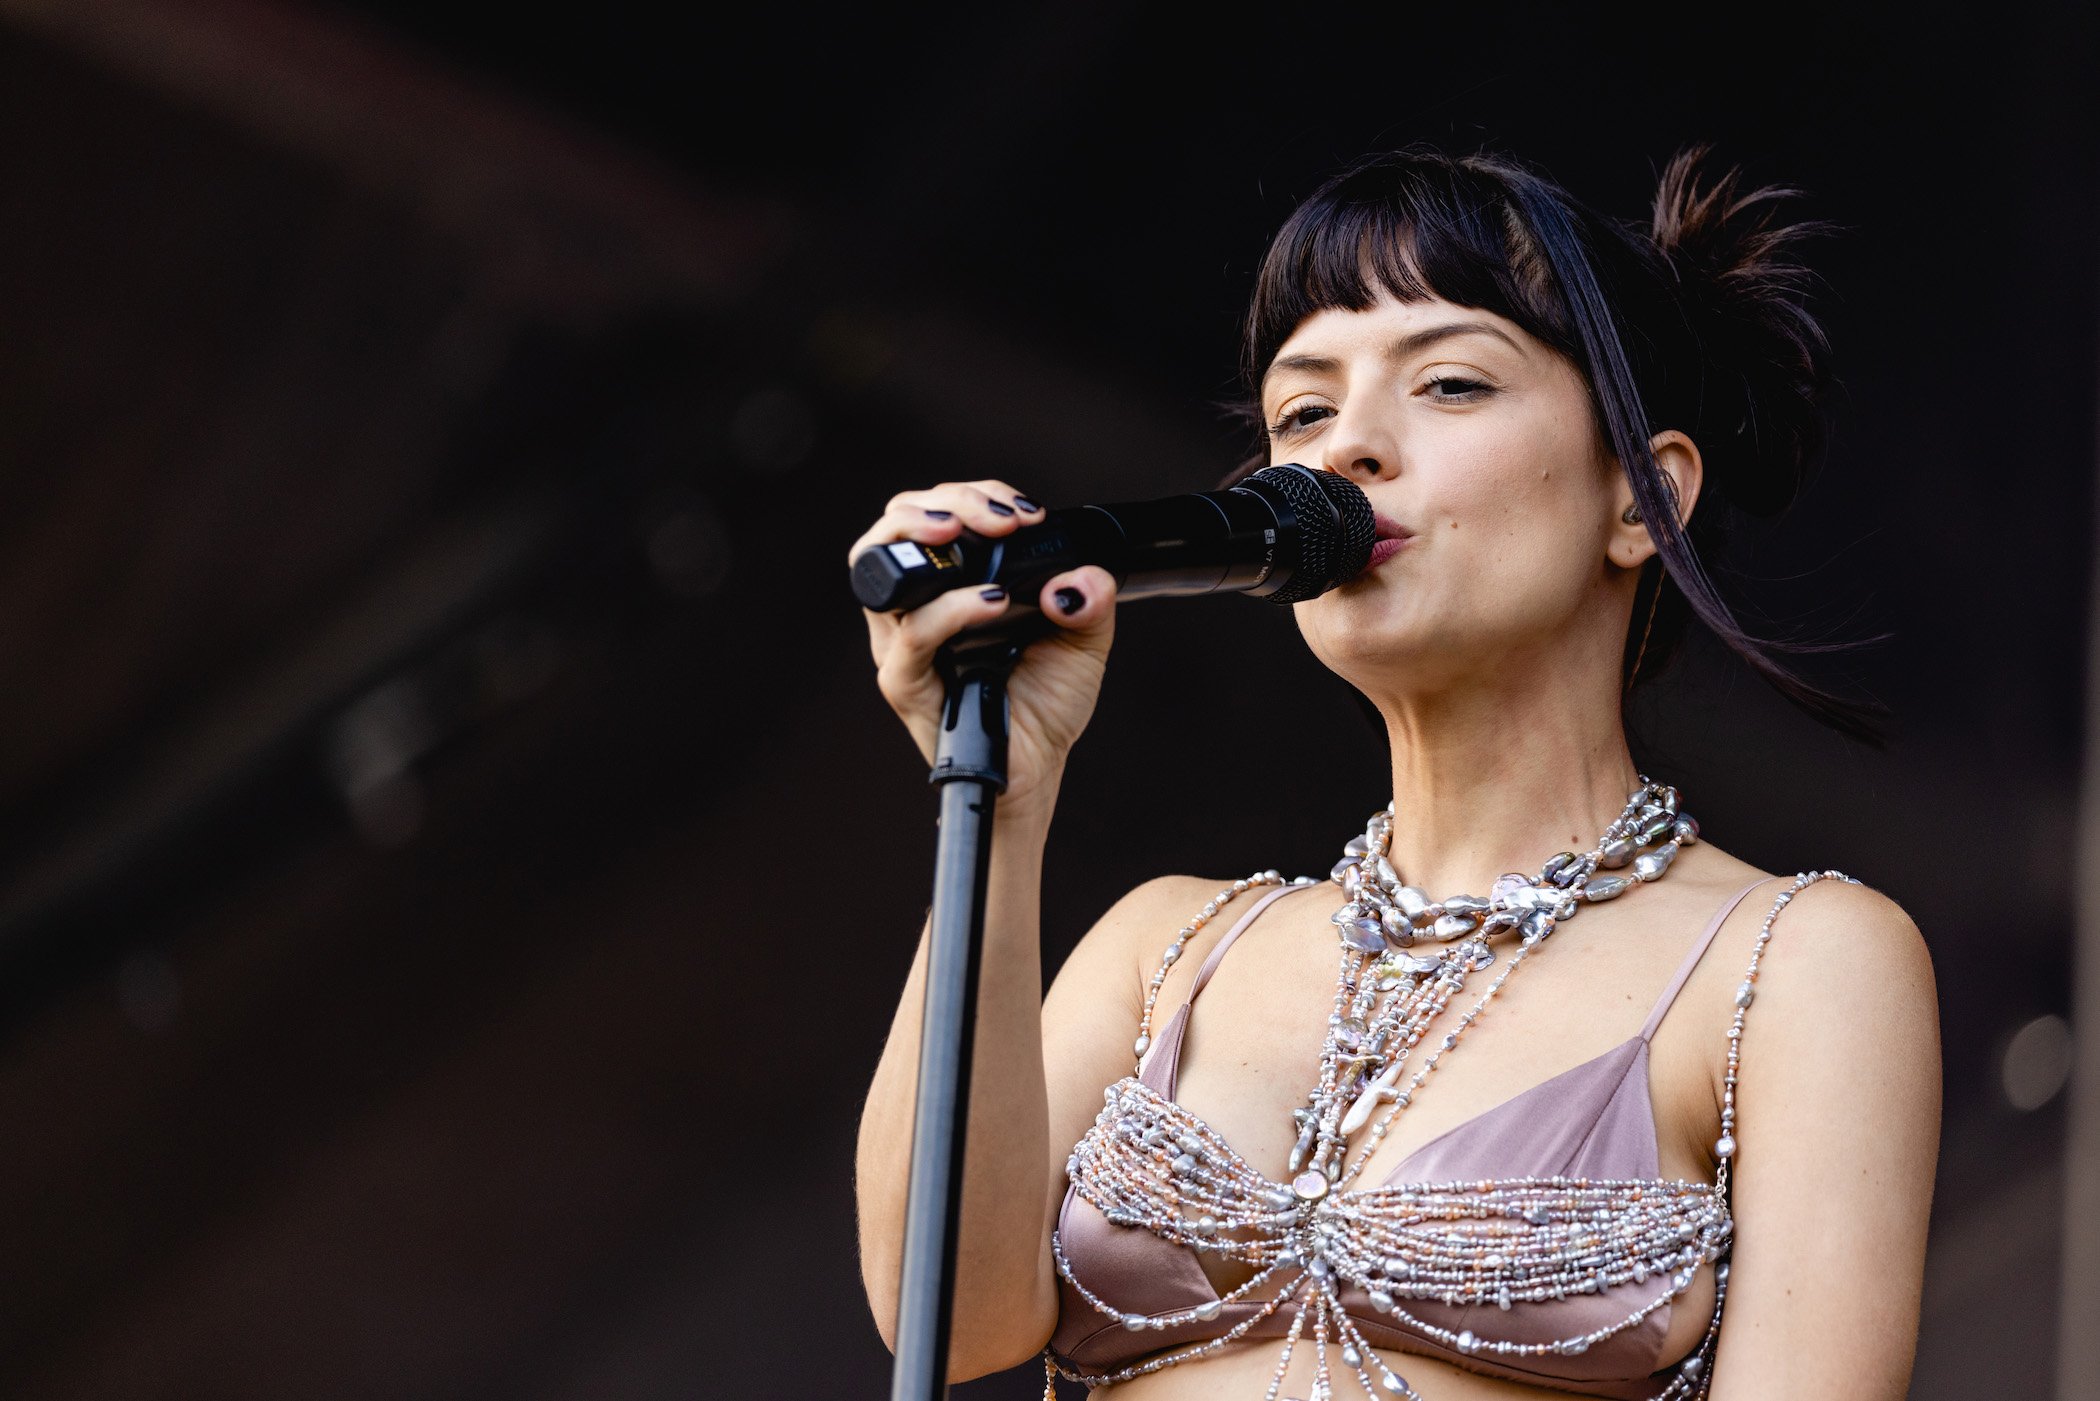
(1357, 449)
(1365, 466)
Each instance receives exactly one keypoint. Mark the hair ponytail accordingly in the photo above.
(1745, 295)
(1750, 389)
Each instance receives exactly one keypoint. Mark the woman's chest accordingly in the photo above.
(1278, 1035)
(1531, 1063)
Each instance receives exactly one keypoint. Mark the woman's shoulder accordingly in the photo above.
(1127, 942)
(1820, 904)
(1153, 912)
(1146, 914)
(1196, 897)
(1120, 954)
(1837, 947)
(1833, 981)
(1863, 945)
(1817, 901)
(1816, 944)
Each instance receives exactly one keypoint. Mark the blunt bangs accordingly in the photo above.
(1414, 229)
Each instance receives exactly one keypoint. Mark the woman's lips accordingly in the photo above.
(1385, 550)
(1392, 538)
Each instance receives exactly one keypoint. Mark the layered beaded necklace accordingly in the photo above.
(1147, 1162)
(1369, 1042)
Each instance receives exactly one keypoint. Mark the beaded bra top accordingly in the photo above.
(1535, 1242)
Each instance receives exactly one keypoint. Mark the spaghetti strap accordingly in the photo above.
(1160, 1065)
(1691, 960)
(1217, 955)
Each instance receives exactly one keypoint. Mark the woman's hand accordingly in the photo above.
(1053, 689)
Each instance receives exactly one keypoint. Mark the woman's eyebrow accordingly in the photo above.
(1310, 364)
(1414, 343)
(1418, 341)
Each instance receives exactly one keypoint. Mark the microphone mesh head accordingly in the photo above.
(1336, 528)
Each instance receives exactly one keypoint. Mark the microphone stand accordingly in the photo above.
(970, 769)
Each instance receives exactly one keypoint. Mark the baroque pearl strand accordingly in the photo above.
(1149, 1163)
(1386, 917)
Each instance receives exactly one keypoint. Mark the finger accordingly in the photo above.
(998, 493)
(998, 497)
(987, 507)
(902, 521)
(908, 657)
(881, 628)
(1079, 600)
(938, 514)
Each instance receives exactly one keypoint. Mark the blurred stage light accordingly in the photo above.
(2037, 1062)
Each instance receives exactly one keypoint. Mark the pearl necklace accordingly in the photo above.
(1365, 1051)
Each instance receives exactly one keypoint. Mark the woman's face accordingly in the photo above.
(1476, 439)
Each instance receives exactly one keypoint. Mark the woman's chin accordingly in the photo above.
(1395, 648)
(1373, 621)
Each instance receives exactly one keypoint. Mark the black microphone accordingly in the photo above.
(1285, 533)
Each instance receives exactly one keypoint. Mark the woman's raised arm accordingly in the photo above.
(1005, 1296)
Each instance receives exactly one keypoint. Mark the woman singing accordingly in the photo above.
(1541, 1092)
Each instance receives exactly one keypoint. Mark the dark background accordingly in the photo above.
(457, 869)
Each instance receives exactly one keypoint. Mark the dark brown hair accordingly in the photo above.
(1700, 322)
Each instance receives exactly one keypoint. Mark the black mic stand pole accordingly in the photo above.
(969, 767)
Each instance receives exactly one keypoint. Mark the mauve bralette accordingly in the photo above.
(1592, 1121)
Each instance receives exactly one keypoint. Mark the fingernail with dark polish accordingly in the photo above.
(991, 595)
(1025, 504)
(1001, 507)
(1069, 601)
(938, 515)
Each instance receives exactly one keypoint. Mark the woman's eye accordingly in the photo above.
(1460, 391)
(1299, 419)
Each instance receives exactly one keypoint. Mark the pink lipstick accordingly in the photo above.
(1392, 539)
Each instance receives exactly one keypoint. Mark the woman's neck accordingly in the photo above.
(1499, 780)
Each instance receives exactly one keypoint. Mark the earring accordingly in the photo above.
(1632, 514)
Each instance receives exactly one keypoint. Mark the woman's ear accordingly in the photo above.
(1683, 472)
